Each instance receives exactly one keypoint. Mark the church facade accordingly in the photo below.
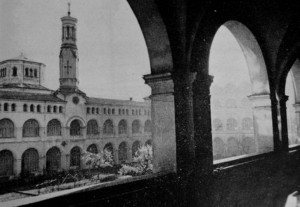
(43, 129)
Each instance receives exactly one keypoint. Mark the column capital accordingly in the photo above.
(260, 100)
(283, 99)
(160, 83)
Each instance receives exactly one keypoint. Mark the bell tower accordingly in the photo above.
(68, 57)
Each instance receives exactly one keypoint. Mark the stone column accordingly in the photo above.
(17, 166)
(163, 119)
(262, 121)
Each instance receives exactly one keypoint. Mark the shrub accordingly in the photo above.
(142, 162)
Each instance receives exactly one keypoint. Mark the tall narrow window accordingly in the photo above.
(30, 161)
(38, 108)
(31, 72)
(13, 107)
(32, 108)
(15, 71)
(6, 163)
(25, 107)
(35, 73)
(75, 157)
(6, 107)
(53, 159)
(122, 152)
(26, 72)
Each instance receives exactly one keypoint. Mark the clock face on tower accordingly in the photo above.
(75, 100)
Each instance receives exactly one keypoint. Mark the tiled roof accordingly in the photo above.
(114, 101)
(24, 86)
(12, 95)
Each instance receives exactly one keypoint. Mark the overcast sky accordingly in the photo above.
(112, 51)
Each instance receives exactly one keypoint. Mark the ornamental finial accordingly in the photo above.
(69, 10)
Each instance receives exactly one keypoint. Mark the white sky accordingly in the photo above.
(112, 51)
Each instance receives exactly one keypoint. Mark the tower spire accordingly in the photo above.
(69, 8)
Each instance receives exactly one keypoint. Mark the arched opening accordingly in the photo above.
(219, 149)
(293, 104)
(92, 148)
(122, 127)
(108, 127)
(54, 128)
(135, 147)
(25, 107)
(122, 152)
(92, 127)
(31, 128)
(13, 107)
(15, 72)
(109, 148)
(53, 160)
(30, 161)
(75, 157)
(31, 108)
(240, 79)
(75, 128)
(136, 126)
(6, 163)
(6, 128)
(148, 127)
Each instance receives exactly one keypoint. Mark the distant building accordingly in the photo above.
(42, 129)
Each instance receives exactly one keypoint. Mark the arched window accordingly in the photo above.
(6, 163)
(232, 124)
(127, 111)
(122, 152)
(93, 110)
(248, 145)
(109, 111)
(54, 109)
(49, 109)
(132, 111)
(6, 128)
(15, 71)
(30, 160)
(113, 111)
(135, 147)
(38, 108)
(104, 110)
(122, 127)
(5, 106)
(109, 148)
(53, 159)
(32, 108)
(75, 157)
(31, 72)
(135, 126)
(26, 72)
(31, 128)
(88, 110)
(92, 148)
(13, 107)
(218, 125)
(218, 148)
(148, 126)
(60, 109)
(120, 111)
(75, 128)
(25, 107)
(97, 110)
(108, 127)
(54, 128)
(247, 123)
(232, 147)
(35, 73)
(92, 127)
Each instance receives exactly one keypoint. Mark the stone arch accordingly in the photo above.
(135, 146)
(53, 159)
(218, 148)
(122, 126)
(30, 160)
(31, 128)
(108, 127)
(54, 128)
(6, 163)
(122, 152)
(7, 128)
(136, 126)
(148, 126)
(75, 157)
(92, 127)
(92, 148)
